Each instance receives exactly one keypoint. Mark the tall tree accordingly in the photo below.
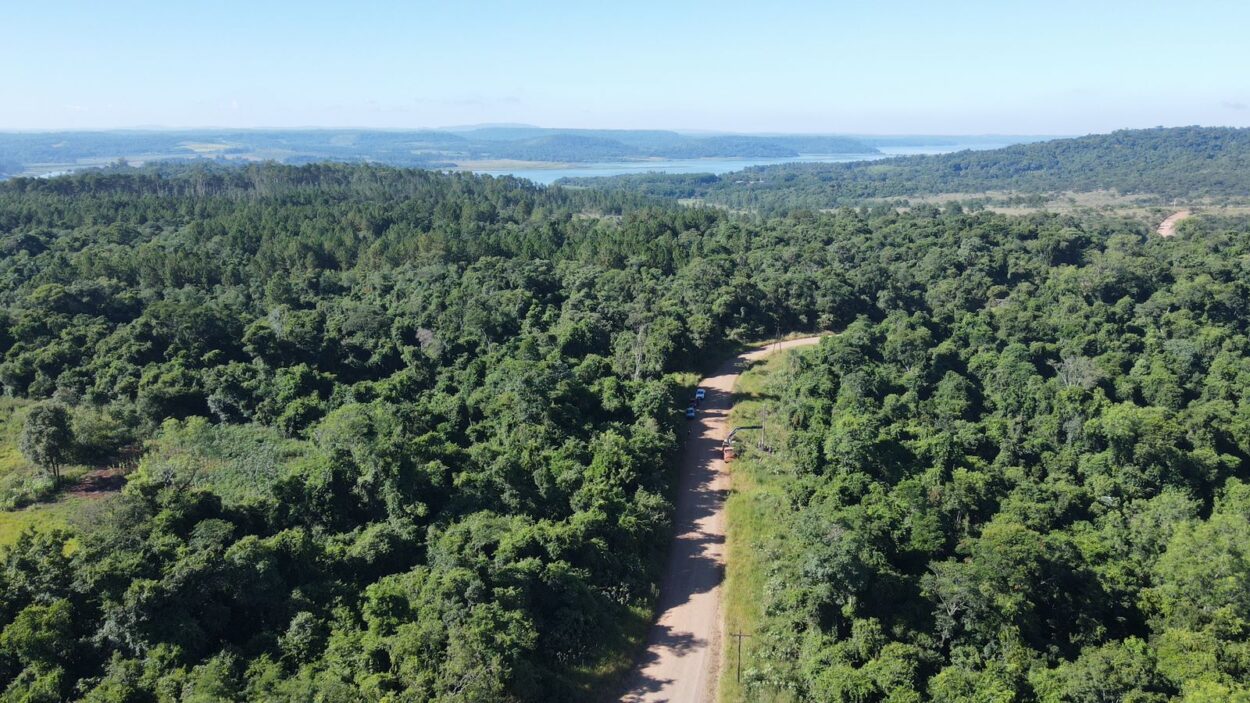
(48, 439)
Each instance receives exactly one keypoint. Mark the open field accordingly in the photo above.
(208, 148)
(1102, 201)
(40, 516)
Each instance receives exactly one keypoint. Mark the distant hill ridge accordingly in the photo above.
(1172, 163)
(40, 152)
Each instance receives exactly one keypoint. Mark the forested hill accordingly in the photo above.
(1172, 163)
(41, 152)
(408, 436)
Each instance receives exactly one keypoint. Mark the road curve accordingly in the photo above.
(682, 658)
(1167, 228)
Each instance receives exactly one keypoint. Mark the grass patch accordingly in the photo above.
(752, 532)
(240, 463)
(41, 516)
(12, 416)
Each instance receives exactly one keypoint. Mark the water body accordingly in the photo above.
(719, 166)
(613, 168)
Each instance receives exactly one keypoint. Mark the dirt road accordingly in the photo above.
(682, 658)
(1167, 228)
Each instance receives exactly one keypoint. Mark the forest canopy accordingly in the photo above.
(406, 432)
(1027, 481)
(408, 436)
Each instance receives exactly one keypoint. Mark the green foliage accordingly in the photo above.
(47, 438)
(238, 463)
(408, 437)
(1011, 480)
(1182, 162)
(359, 391)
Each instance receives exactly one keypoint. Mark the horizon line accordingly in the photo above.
(484, 126)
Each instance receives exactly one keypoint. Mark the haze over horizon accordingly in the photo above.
(524, 125)
(901, 67)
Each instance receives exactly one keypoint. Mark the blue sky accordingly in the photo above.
(891, 66)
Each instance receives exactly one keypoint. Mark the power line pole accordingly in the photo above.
(739, 635)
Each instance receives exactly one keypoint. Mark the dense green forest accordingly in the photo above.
(1184, 162)
(407, 436)
(1023, 478)
(408, 433)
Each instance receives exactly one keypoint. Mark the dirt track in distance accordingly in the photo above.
(1167, 228)
(682, 658)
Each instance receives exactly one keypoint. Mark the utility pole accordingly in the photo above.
(739, 635)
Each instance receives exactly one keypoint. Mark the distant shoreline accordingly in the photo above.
(507, 164)
(520, 164)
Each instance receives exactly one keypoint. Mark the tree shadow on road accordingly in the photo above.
(663, 640)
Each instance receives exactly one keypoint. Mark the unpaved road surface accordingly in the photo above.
(682, 658)
(1167, 228)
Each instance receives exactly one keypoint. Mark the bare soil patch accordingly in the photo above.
(98, 483)
(1167, 228)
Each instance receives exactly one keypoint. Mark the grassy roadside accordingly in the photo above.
(601, 681)
(752, 534)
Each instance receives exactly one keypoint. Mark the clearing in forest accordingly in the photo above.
(1167, 228)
